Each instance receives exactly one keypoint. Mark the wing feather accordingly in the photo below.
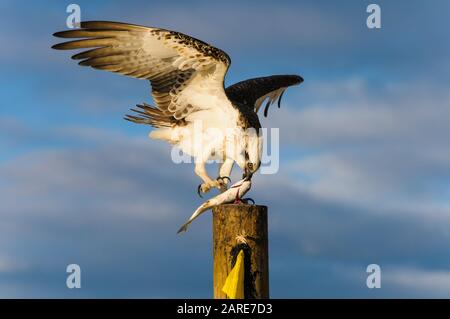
(254, 92)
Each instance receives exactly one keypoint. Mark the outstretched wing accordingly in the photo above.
(176, 64)
(253, 92)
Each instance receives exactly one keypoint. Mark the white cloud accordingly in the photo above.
(112, 179)
(7, 265)
(125, 198)
(386, 148)
(428, 283)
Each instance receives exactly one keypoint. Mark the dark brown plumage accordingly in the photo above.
(253, 92)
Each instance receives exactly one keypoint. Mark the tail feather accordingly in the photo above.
(148, 114)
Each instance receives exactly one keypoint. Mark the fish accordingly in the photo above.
(233, 194)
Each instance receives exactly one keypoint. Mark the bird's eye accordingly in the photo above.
(250, 166)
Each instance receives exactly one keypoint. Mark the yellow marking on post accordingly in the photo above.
(234, 284)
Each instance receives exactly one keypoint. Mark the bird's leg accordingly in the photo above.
(208, 183)
(224, 174)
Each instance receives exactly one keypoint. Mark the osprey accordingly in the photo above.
(187, 86)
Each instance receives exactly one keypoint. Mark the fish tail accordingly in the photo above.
(204, 207)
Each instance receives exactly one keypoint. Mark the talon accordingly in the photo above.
(205, 187)
(199, 188)
(222, 183)
(246, 200)
(224, 178)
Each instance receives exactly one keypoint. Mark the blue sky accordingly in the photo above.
(364, 143)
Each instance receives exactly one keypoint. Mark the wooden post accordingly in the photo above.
(250, 222)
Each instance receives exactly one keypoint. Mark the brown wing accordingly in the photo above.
(253, 92)
(172, 61)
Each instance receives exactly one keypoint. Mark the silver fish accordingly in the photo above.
(234, 193)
